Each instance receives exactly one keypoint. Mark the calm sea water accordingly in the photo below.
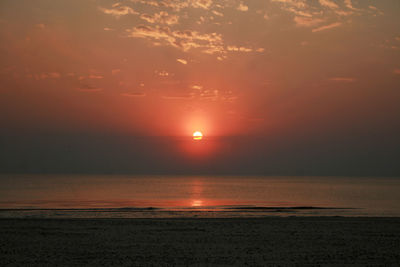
(115, 196)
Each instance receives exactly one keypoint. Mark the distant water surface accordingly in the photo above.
(115, 196)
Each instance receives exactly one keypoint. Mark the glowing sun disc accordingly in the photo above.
(197, 135)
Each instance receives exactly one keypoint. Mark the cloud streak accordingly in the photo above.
(329, 4)
(182, 61)
(242, 7)
(118, 11)
(134, 95)
(327, 27)
(209, 43)
(162, 17)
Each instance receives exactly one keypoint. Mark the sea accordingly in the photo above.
(128, 196)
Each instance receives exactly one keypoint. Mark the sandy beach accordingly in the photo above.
(273, 241)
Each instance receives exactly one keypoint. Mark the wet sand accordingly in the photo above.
(312, 241)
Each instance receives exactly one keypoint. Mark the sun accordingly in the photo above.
(197, 135)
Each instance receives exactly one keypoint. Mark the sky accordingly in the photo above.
(286, 87)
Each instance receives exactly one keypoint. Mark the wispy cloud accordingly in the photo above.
(94, 76)
(329, 4)
(294, 3)
(306, 21)
(163, 73)
(375, 9)
(205, 4)
(197, 87)
(162, 17)
(310, 14)
(209, 43)
(46, 75)
(118, 11)
(178, 96)
(349, 4)
(176, 5)
(215, 12)
(242, 7)
(182, 61)
(327, 27)
(239, 48)
(138, 94)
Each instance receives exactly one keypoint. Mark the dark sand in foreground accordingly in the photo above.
(168, 242)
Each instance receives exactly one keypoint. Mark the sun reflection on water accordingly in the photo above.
(197, 203)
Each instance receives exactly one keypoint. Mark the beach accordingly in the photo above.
(268, 241)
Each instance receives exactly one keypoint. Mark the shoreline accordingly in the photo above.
(261, 217)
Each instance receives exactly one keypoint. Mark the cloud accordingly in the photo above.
(327, 27)
(209, 95)
(138, 94)
(307, 22)
(377, 11)
(263, 13)
(178, 96)
(343, 79)
(239, 48)
(205, 4)
(163, 73)
(329, 4)
(304, 15)
(349, 4)
(162, 17)
(217, 13)
(158, 33)
(242, 7)
(294, 3)
(185, 40)
(149, 2)
(177, 5)
(307, 14)
(118, 11)
(45, 75)
(197, 87)
(182, 61)
(94, 76)
(343, 13)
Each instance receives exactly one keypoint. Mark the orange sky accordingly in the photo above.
(138, 67)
